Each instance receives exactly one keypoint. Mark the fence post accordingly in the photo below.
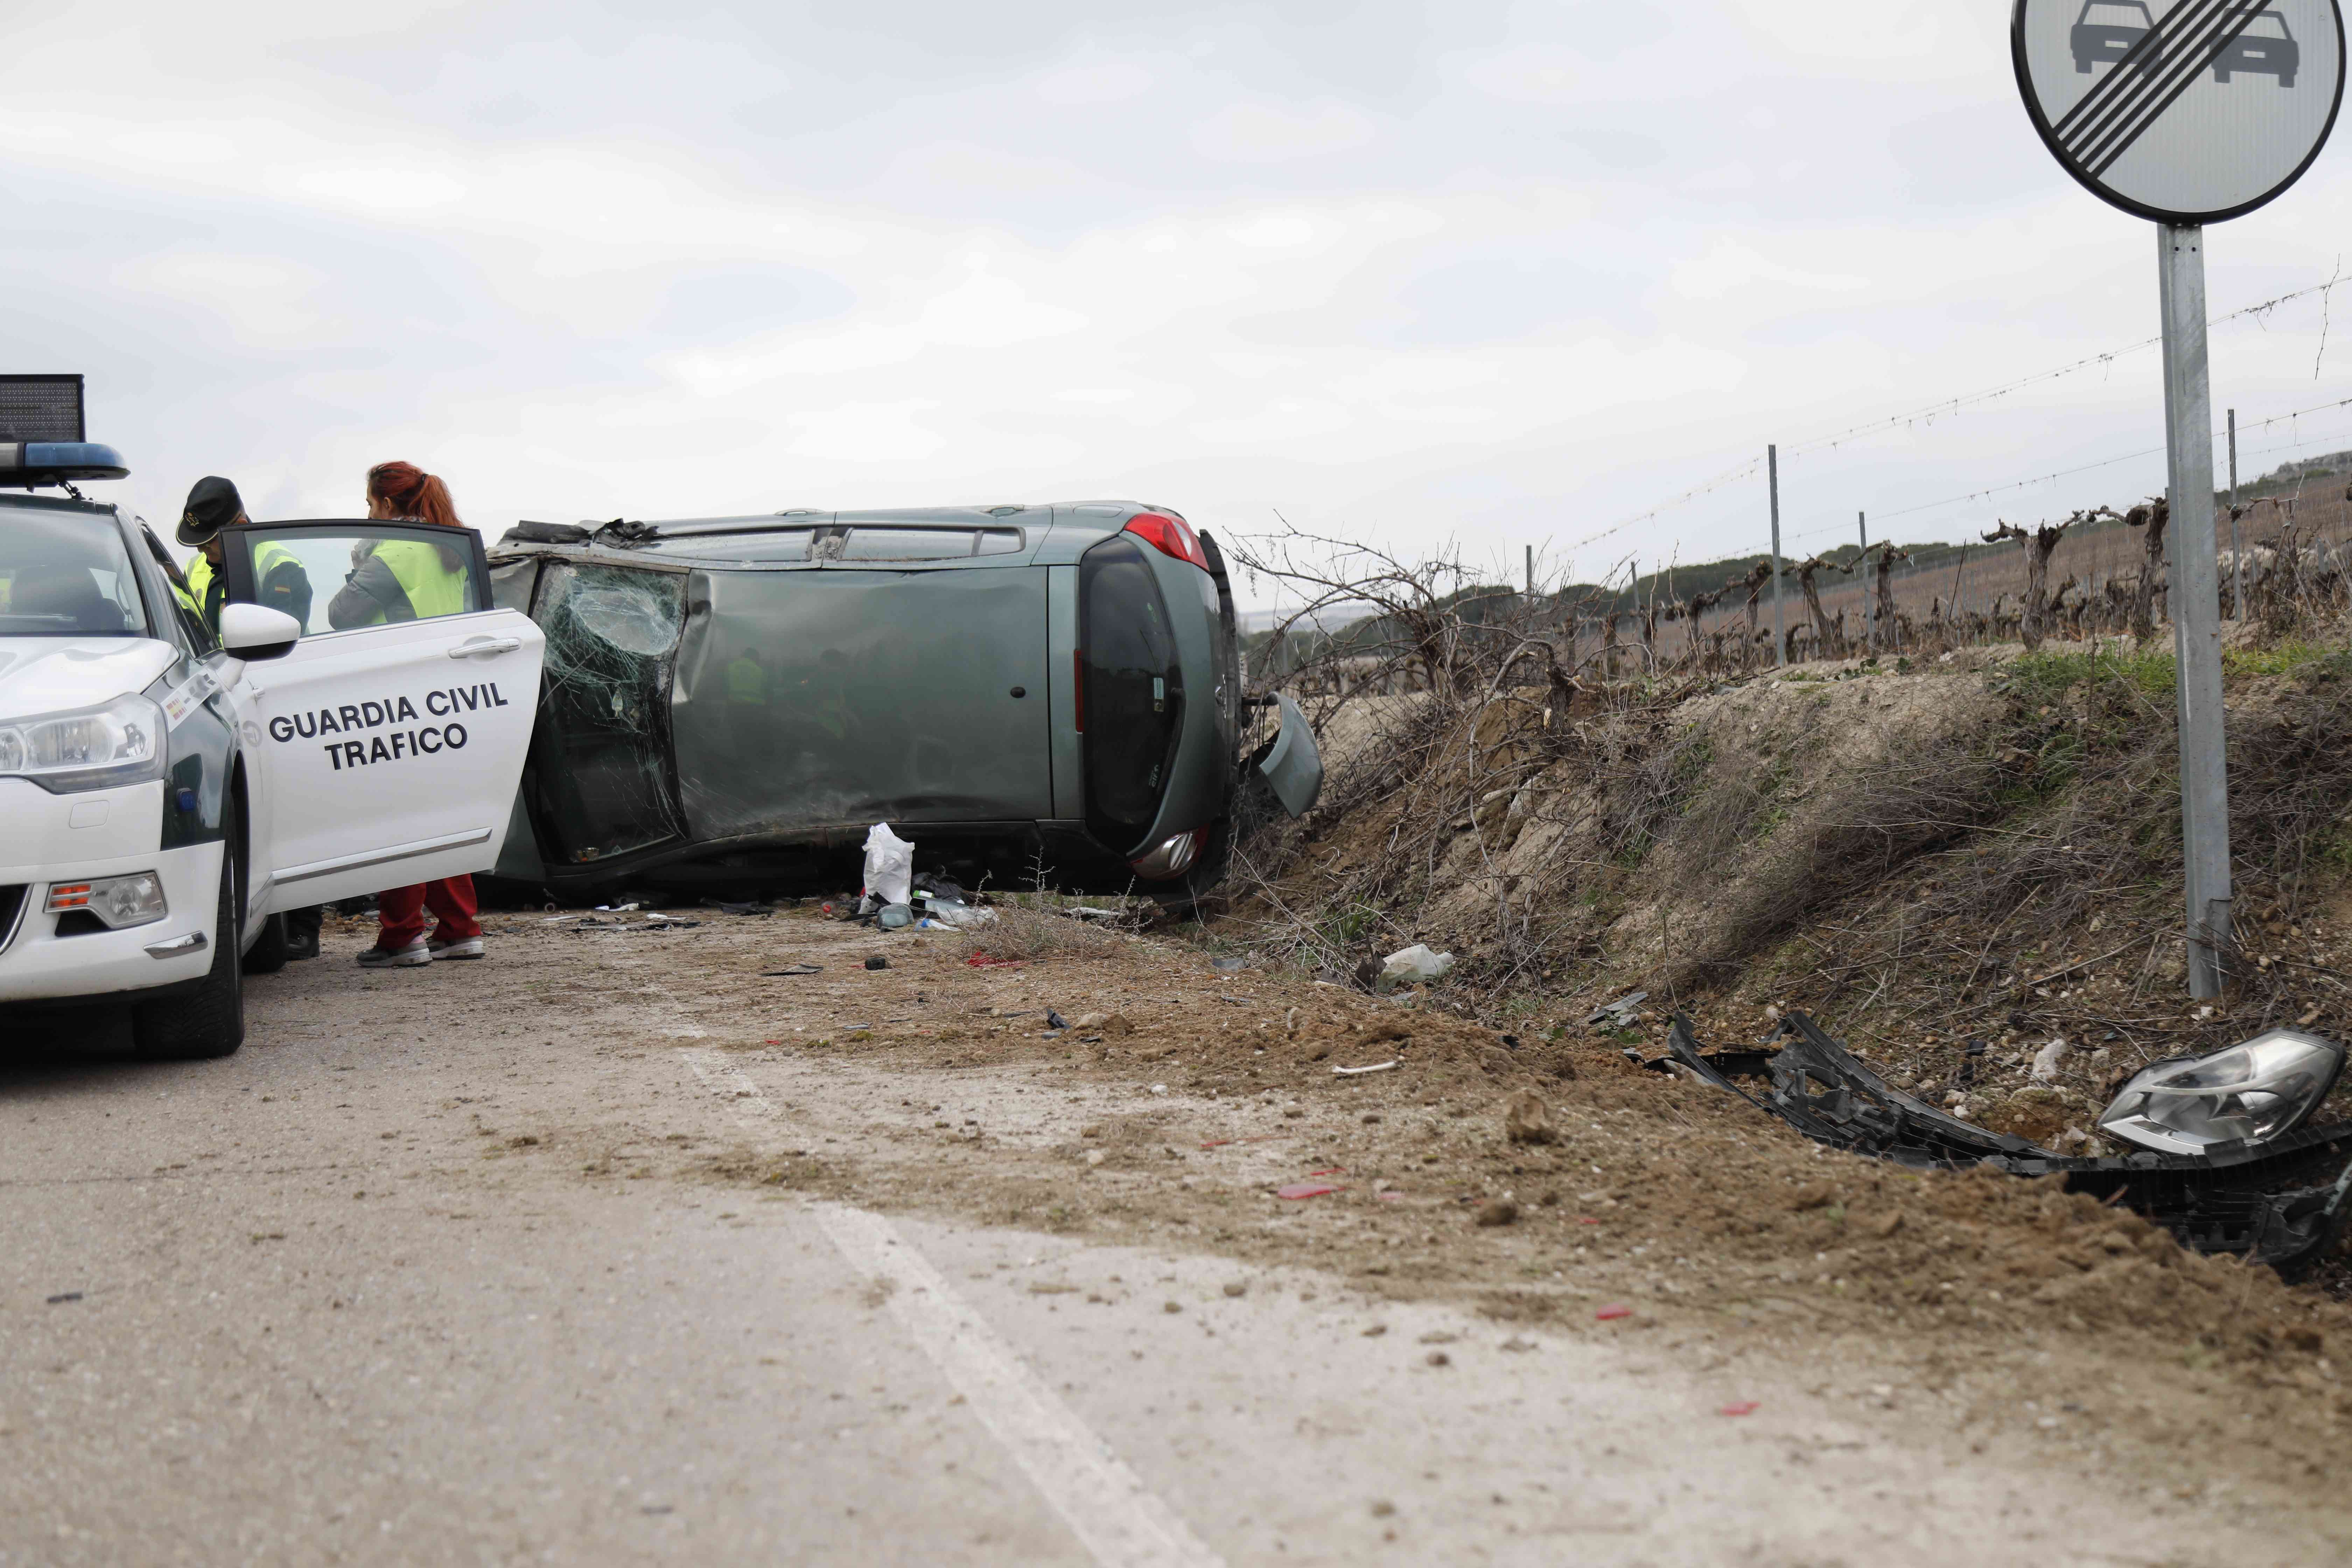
(2237, 561)
(1869, 609)
(1780, 624)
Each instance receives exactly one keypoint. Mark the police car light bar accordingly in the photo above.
(31, 463)
(42, 441)
(41, 408)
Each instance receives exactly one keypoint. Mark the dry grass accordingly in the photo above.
(1030, 927)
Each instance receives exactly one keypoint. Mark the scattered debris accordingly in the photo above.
(877, 962)
(1438, 1357)
(1229, 965)
(1415, 965)
(1738, 1407)
(2047, 1061)
(2280, 1201)
(1236, 1287)
(1353, 1072)
(982, 961)
(1525, 1121)
(890, 866)
(1609, 1312)
(1619, 1014)
(795, 969)
(725, 907)
(1055, 1020)
(66, 1296)
(1497, 1211)
(1298, 1190)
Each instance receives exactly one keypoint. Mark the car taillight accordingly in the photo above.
(1169, 535)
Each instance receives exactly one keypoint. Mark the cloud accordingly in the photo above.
(1498, 274)
(1264, 133)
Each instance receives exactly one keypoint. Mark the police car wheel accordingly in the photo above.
(270, 950)
(210, 1020)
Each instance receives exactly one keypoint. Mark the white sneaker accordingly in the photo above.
(463, 947)
(407, 957)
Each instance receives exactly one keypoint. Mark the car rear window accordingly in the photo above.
(1131, 693)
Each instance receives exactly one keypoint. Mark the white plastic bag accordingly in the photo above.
(1416, 965)
(889, 864)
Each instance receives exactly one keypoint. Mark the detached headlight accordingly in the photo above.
(91, 748)
(2253, 1091)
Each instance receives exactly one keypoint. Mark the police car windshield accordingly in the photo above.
(65, 574)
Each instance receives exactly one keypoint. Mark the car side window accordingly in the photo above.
(195, 636)
(356, 575)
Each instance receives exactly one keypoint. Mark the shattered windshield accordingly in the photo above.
(602, 744)
(65, 574)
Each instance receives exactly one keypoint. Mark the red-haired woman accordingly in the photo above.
(402, 579)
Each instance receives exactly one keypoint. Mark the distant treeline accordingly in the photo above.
(1678, 582)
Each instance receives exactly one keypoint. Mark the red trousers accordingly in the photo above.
(400, 911)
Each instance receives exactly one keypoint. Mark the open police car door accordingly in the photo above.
(390, 738)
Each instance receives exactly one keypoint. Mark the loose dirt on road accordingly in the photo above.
(2001, 1318)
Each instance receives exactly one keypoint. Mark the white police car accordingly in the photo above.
(163, 793)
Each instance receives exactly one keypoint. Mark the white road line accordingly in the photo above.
(1103, 1501)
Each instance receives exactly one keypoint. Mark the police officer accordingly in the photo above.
(281, 582)
(212, 507)
(405, 577)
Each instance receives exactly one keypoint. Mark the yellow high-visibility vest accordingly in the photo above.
(432, 588)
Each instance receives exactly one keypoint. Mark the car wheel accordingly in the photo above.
(270, 950)
(210, 1020)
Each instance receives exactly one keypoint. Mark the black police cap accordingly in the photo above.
(213, 505)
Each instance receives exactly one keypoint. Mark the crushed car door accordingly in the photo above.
(395, 730)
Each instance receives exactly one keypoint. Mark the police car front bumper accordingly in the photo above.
(50, 839)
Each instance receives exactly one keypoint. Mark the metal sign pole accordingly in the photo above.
(2237, 561)
(2196, 601)
(1780, 626)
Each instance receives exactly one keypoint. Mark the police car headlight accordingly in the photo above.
(90, 748)
(118, 901)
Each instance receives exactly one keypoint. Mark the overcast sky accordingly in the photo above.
(1494, 274)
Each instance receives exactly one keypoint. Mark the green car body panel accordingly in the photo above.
(731, 704)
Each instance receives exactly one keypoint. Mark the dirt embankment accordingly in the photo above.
(1980, 851)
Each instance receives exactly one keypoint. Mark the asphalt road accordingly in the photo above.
(387, 1287)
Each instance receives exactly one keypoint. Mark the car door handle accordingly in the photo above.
(480, 648)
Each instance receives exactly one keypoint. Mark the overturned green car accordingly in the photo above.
(1035, 695)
